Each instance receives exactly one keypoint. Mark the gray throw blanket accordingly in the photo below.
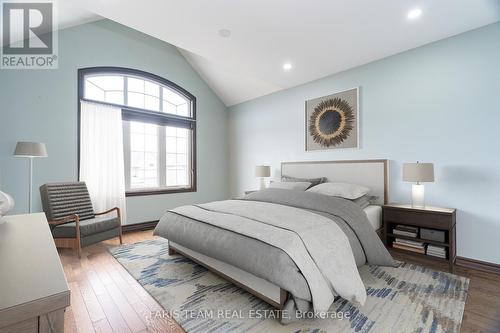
(299, 223)
(346, 210)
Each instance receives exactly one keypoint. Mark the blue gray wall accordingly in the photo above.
(439, 103)
(41, 105)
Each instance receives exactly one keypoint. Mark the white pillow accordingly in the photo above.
(343, 190)
(299, 186)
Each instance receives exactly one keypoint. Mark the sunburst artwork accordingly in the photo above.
(332, 121)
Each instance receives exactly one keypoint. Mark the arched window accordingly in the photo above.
(159, 127)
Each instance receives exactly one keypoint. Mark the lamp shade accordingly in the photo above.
(418, 172)
(262, 171)
(30, 149)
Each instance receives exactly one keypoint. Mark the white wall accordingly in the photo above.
(439, 103)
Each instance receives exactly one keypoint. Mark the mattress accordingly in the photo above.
(374, 214)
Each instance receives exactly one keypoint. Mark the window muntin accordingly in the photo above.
(136, 92)
(177, 162)
(144, 155)
(105, 88)
(159, 156)
(158, 151)
(174, 103)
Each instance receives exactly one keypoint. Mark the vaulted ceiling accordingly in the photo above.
(317, 37)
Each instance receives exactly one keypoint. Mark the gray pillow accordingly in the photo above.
(343, 190)
(299, 186)
(366, 200)
(313, 181)
(373, 199)
(363, 201)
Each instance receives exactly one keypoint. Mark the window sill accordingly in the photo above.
(158, 191)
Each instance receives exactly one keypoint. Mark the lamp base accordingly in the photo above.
(262, 184)
(417, 196)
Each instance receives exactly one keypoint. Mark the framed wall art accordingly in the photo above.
(332, 122)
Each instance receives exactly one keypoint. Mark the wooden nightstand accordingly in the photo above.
(434, 218)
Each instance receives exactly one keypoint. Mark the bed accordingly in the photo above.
(374, 215)
(281, 245)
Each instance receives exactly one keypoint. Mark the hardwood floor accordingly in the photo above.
(105, 298)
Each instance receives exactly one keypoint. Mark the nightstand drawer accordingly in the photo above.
(421, 219)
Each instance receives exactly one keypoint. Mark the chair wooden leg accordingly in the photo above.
(78, 246)
(79, 249)
(78, 239)
(119, 215)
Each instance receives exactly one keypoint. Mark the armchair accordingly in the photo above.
(72, 219)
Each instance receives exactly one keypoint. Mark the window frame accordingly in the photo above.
(130, 113)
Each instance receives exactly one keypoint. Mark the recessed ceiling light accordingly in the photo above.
(224, 33)
(287, 66)
(414, 13)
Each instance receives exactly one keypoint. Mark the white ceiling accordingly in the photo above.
(319, 37)
(231, 85)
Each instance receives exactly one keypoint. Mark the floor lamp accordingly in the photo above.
(30, 150)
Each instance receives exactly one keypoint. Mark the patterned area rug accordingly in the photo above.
(409, 298)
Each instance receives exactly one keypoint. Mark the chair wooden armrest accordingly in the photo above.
(118, 213)
(119, 216)
(66, 219)
(109, 211)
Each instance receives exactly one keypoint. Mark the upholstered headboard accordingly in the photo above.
(370, 173)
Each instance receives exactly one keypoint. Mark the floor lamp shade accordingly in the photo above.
(418, 173)
(30, 150)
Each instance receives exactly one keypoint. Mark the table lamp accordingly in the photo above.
(262, 171)
(418, 173)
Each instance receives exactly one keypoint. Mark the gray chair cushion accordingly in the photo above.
(92, 239)
(87, 227)
(62, 199)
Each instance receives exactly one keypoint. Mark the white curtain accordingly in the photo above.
(101, 156)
